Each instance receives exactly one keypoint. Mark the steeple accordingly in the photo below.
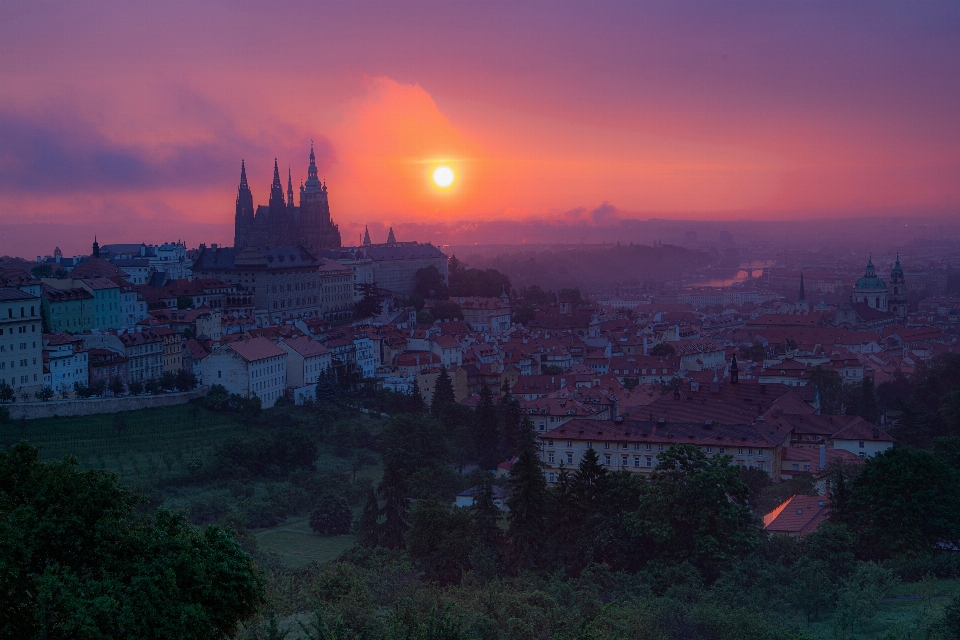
(391, 239)
(803, 293)
(734, 371)
(366, 236)
(243, 176)
(289, 188)
(96, 247)
(276, 190)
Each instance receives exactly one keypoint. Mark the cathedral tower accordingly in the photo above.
(897, 300)
(243, 222)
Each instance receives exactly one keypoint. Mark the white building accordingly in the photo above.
(21, 357)
(306, 360)
(368, 358)
(254, 367)
(67, 365)
(133, 308)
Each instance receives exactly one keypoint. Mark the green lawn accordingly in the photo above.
(901, 620)
(297, 545)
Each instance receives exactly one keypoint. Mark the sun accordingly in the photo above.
(443, 176)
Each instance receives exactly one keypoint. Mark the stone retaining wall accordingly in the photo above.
(91, 406)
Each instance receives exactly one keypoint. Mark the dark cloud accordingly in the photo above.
(64, 154)
(605, 213)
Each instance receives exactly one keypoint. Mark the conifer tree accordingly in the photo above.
(528, 510)
(443, 397)
(487, 536)
(416, 403)
(487, 438)
(367, 526)
(510, 418)
(327, 390)
(393, 490)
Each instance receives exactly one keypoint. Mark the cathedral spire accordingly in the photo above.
(366, 236)
(289, 188)
(391, 239)
(276, 190)
(803, 293)
(243, 176)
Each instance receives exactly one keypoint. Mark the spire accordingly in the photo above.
(276, 190)
(391, 239)
(96, 247)
(366, 236)
(313, 184)
(734, 371)
(289, 187)
(243, 176)
(803, 293)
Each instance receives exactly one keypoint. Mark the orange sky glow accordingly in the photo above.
(123, 120)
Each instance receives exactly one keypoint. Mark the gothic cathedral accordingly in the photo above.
(281, 223)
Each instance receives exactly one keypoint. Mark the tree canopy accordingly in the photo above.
(77, 561)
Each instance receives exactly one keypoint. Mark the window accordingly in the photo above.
(606, 445)
(550, 457)
(569, 458)
(606, 460)
(624, 445)
(749, 452)
(721, 449)
(760, 452)
(569, 443)
(649, 461)
(659, 447)
(709, 449)
(623, 461)
(861, 444)
(551, 477)
(636, 462)
(739, 452)
(796, 467)
(862, 454)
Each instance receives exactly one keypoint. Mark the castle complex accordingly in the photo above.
(280, 223)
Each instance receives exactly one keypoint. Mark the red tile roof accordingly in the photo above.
(254, 349)
(798, 516)
(306, 346)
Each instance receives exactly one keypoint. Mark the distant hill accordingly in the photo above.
(591, 267)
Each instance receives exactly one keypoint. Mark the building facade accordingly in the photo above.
(251, 368)
(21, 345)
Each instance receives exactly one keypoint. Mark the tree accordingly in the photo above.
(116, 385)
(440, 540)
(371, 302)
(184, 302)
(755, 352)
(446, 310)
(327, 390)
(487, 536)
(527, 500)
(152, 386)
(185, 380)
(168, 380)
(443, 397)
(43, 270)
(77, 562)
(368, 534)
(696, 510)
(830, 385)
(44, 394)
(136, 387)
(902, 501)
(393, 490)
(6, 392)
(525, 314)
(428, 283)
(868, 407)
(332, 516)
(487, 437)
(663, 350)
(416, 403)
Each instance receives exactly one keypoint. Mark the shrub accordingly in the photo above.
(332, 516)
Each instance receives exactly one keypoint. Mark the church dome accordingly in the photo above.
(870, 281)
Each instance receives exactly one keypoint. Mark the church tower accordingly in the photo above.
(316, 227)
(897, 300)
(243, 221)
(802, 305)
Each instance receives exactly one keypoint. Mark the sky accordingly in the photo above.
(129, 120)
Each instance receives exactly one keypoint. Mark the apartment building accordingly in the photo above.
(21, 357)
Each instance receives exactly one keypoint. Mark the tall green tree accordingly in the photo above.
(696, 510)
(903, 500)
(868, 407)
(527, 500)
(510, 415)
(443, 397)
(75, 561)
(368, 527)
(487, 536)
(440, 540)
(393, 491)
(830, 385)
(486, 424)
(371, 300)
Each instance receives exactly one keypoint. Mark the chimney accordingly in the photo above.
(823, 457)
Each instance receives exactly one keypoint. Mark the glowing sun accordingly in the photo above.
(443, 176)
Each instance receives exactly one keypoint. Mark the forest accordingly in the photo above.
(679, 554)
